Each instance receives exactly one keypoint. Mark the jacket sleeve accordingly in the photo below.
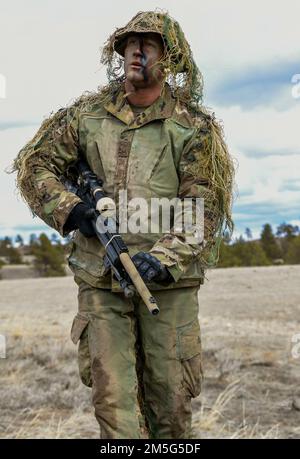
(40, 164)
(205, 172)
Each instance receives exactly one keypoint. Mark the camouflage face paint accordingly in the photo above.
(144, 59)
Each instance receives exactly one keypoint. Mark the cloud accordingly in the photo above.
(235, 34)
(267, 180)
(246, 51)
(265, 210)
(25, 233)
(32, 228)
(262, 132)
(255, 216)
(263, 85)
(268, 192)
(290, 184)
(16, 124)
(295, 222)
(263, 153)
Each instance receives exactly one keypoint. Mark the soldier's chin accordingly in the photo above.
(135, 77)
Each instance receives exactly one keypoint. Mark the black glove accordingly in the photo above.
(80, 218)
(150, 268)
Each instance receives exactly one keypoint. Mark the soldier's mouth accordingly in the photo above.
(136, 65)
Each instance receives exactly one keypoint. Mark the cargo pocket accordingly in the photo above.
(79, 332)
(189, 353)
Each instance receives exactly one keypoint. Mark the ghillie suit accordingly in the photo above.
(143, 371)
(208, 161)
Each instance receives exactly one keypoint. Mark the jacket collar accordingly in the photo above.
(162, 108)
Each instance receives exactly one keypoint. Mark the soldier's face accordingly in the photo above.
(142, 53)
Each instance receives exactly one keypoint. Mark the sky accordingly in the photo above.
(248, 53)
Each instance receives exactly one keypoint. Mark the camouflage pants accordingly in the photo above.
(143, 369)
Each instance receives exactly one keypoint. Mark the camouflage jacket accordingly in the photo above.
(147, 154)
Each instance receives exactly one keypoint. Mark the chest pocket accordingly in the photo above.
(151, 163)
(102, 140)
(150, 168)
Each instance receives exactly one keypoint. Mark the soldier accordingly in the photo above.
(146, 132)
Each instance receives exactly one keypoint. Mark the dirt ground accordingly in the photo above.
(248, 317)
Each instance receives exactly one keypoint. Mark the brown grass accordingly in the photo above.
(250, 377)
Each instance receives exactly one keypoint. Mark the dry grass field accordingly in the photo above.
(248, 318)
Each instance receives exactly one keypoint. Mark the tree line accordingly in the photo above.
(281, 247)
(48, 255)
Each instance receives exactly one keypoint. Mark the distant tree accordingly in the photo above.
(269, 244)
(248, 233)
(293, 254)
(287, 230)
(227, 257)
(226, 237)
(3, 248)
(55, 239)
(32, 239)
(14, 256)
(286, 234)
(250, 253)
(19, 240)
(242, 253)
(8, 251)
(7, 241)
(49, 259)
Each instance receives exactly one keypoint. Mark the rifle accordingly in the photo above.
(116, 257)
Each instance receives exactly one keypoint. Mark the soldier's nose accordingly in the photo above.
(138, 52)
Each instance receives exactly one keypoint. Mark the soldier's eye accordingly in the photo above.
(132, 41)
(150, 43)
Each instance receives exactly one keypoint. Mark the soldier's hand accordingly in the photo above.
(80, 218)
(150, 268)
